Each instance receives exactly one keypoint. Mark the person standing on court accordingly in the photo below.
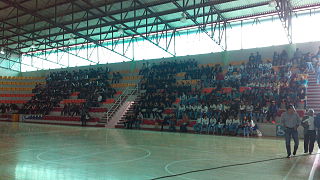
(317, 126)
(310, 132)
(290, 121)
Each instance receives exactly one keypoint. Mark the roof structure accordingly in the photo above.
(40, 25)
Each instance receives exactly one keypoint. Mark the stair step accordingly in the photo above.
(312, 93)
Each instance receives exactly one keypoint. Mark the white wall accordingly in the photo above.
(237, 55)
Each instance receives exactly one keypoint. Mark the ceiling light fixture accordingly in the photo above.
(33, 46)
(183, 18)
(273, 3)
(120, 30)
(2, 51)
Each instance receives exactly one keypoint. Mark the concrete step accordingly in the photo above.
(313, 90)
(312, 93)
(317, 98)
(313, 87)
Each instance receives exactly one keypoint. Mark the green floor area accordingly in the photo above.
(38, 152)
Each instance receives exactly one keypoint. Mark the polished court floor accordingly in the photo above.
(47, 152)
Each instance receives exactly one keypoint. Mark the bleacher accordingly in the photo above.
(21, 92)
(154, 124)
(17, 90)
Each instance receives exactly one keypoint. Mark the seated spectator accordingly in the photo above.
(220, 127)
(198, 126)
(234, 127)
(184, 123)
(272, 112)
(212, 125)
(228, 125)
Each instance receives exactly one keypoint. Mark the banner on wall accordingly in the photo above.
(279, 130)
(31, 117)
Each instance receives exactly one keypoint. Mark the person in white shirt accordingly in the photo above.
(220, 126)
(249, 109)
(219, 110)
(310, 132)
(193, 112)
(181, 110)
(205, 124)
(198, 111)
(205, 109)
(198, 125)
(230, 68)
(242, 67)
(183, 98)
(228, 124)
(226, 108)
(99, 98)
(226, 77)
(212, 124)
(154, 112)
(242, 110)
(238, 76)
(264, 112)
(235, 125)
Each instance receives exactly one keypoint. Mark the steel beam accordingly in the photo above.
(35, 14)
(285, 11)
(171, 11)
(202, 27)
(36, 40)
(127, 27)
(62, 3)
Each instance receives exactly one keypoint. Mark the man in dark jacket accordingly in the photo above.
(317, 126)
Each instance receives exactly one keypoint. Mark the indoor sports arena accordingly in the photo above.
(159, 89)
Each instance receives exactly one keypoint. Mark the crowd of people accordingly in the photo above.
(8, 108)
(267, 89)
(92, 85)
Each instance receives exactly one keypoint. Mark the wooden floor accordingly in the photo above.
(48, 152)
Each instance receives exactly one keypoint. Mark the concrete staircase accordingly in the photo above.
(119, 108)
(313, 93)
(120, 122)
(120, 113)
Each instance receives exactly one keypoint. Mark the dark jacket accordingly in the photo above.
(317, 121)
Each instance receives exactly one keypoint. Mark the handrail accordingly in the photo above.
(119, 101)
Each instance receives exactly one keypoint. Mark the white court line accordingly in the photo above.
(36, 133)
(96, 153)
(13, 152)
(291, 169)
(311, 175)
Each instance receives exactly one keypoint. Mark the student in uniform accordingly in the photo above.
(212, 124)
(198, 125)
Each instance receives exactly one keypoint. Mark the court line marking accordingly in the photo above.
(46, 132)
(292, 167)
(13, 152)
(313, 169)
(175, 162)
(225, 166)
(106, 163)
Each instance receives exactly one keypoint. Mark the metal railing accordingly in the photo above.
(128, 92)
